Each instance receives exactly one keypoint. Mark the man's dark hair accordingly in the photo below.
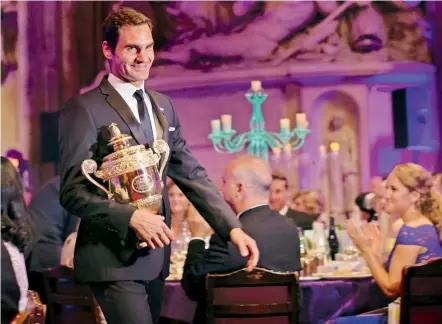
(276, 175)
(122, 17)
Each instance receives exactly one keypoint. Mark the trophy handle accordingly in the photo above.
(160, 147)
(90, 166)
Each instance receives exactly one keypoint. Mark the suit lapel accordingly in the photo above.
(117, 102)
(159, 114)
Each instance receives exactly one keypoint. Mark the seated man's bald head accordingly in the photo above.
(252, 172)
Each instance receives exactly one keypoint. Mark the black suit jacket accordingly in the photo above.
(301, 219)
(277, 239)
(104, 234)
(52, 225)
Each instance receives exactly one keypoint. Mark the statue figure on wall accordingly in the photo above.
(339, 131)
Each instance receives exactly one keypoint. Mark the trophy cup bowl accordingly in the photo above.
(133, 173)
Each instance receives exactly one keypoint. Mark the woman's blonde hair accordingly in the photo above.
(312, 200)
(415, 178)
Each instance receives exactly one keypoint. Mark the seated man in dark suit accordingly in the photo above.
(246, 184)
(52, 225)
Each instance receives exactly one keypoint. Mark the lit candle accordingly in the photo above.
(277, 150)
(256, 85)
(215, 126)
(285, 125)
(334, 147)
(301, 120)
(288, 148)
(226, 121)
(322, 151)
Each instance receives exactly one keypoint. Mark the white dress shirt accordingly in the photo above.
(18, 264)
(126, 91)
(284, 210)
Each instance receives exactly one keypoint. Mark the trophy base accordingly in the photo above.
(152, 204)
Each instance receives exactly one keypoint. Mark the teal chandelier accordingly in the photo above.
(258, 139)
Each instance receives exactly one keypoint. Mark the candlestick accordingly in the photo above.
(226, 121)
(256, 86)
(215, 126)
(285, 125)
(322, 151)
(258, 140)
(301, 120)
(288, 149)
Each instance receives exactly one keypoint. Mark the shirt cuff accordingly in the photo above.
(197, 238)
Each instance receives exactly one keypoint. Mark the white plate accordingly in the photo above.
(308, 278)
(357, 275)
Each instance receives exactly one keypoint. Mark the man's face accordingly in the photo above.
(278, 194)
(133, 55)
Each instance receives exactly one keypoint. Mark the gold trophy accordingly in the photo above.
(133, 173)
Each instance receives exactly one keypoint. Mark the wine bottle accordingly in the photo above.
(302, 243)
(333, 242)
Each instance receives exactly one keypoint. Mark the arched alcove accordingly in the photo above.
(336, 115)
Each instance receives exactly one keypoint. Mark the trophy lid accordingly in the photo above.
(118, 141)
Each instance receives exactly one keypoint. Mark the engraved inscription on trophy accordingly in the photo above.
(142, 183)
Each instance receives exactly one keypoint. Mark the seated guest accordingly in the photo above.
(68, 250)
(305, 209)
(67, 260)
(279, 193)
(22, 167)
(16, 237)
(52, 225)
(411, 195)
(181, 211)
(246, 183)
(437, 177)
(371, 204)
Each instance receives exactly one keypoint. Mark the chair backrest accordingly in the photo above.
(35, 312)
(421, 296)
(68, 301)
(260, 296)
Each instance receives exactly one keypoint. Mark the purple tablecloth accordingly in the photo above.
(323, 300)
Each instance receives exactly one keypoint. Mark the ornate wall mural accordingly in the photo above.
(224, 35)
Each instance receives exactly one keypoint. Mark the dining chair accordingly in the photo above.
(68, 301)
(35, 312)
(260, 296)
(421, 296)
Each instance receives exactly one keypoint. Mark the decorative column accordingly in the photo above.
(434, 16)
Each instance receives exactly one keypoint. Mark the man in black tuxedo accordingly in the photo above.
(246, 184)
(128, 282)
